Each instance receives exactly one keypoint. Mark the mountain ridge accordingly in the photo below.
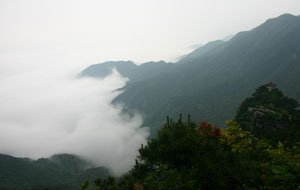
(211, 85)
(55, 172)
(127, 69)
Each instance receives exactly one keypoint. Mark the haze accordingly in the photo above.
(139, 30)
(44, 44)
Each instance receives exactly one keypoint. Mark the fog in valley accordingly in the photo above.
(47, 109)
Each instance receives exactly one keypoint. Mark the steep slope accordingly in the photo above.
(149, 70)
(201, 51)
(211, 85)
(56, 172)
(270, 114)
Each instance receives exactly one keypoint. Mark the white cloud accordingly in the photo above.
(44, 43)
(45, 110)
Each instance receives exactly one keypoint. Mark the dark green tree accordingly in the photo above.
(269, 114)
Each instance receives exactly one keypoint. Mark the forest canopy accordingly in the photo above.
(188, 155)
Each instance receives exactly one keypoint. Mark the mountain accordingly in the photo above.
(56, 172)
(104, 69)
(270, 114)
(126, 68)
(212, 81)
(201, 51)
(203, 156)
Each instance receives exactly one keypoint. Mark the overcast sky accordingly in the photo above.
(140, 30)
(45, 43)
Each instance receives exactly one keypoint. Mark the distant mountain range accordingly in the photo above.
(56, 172)
(211, 82)
(127, 69)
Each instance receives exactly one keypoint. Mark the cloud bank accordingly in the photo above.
(46, 110)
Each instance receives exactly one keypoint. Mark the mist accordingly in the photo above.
(45, 110)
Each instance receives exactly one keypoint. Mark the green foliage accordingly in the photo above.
(177, 153)
(84, 185)
(175, 149)
(106, 184)
(56, 172)
(276, 168)
(184, 155)
(189, 156)
(271, 115)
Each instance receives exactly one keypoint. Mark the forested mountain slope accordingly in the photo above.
(270, 114)
(260, 150)
(56, 172)
(211, 82)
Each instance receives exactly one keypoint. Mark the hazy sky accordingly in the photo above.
(140, 30)
(45, 43)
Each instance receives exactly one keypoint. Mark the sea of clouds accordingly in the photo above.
(46, 109)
